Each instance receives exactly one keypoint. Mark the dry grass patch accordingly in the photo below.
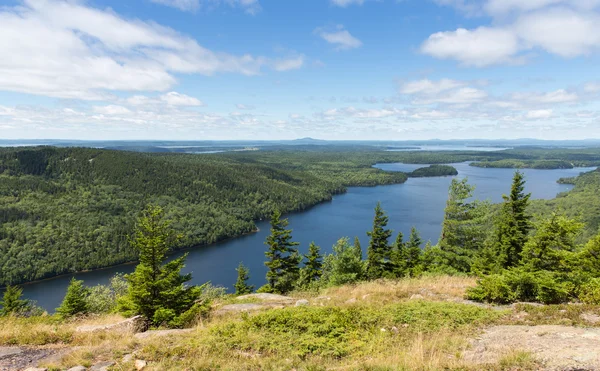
(391, 291)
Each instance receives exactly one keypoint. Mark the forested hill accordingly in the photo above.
(73, 209)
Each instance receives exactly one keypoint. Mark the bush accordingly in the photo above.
(520, 285)
(589, 293)
(103, 298)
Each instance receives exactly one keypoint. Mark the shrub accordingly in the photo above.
(103, 298)
(589, 293)
(75, 301)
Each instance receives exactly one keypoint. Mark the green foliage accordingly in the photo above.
(241, 284)
(283, 257)
(312, 271)
(344, 265)
(589, 293)
(12, 304)
(158, 290)
(463, 230)
(521, 285)
(379, 252)
(512, 225)
(75, 301)
(433, 171)
(550, 247)
(104, 298)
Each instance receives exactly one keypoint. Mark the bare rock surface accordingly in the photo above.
(133, 324)
(21, 358)
(556, 347)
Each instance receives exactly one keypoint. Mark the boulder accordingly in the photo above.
(302, 303)
(133, 324)
(265, 297)
(140, 364)
(102, 366)
(77, 368)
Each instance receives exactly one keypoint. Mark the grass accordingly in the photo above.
(381, 329)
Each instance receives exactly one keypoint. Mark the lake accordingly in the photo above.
(419, 202)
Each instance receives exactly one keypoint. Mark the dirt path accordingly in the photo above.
(556, 347)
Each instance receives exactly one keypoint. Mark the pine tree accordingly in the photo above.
(241, 285)
(358, 248)
(512, 225)
(552, 242)
(398, 257)
(75, 301)
(413, 253)
(283, 258)
(11, 302)
(463, 228)
(158, 290)
(379, 251)
(313, 267)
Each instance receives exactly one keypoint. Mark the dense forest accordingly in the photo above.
(73, 209)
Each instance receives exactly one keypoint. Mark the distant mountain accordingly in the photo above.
(309, 140)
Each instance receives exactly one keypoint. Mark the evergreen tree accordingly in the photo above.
(398, 257)
(313, 267)
(512, 225)
(12, 304)
(551, 244)
(358, 248)
(241, 285)
(343, 265)
(158, 290)
(283, 258)
(379, 251)
(413, 253)
(75, 301)
(430, 258)
(463, 229)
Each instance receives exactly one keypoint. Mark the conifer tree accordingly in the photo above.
(512, 225)
(343, 265)
(75, 301)
(241, 285)
(313, 267)
(413, 252)
(283, 257)
(358, 248)
(379, 251)
(463, 228)
(158, 290)
(398, 257)
(11, 303)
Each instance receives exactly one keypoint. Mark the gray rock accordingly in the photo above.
(77, 368)
(9, 351)
(102, 366)
(239, 308)
(36, 369)
(416, 297)
(302, 303)
(127, 358)
(140, 364)
(133, 324)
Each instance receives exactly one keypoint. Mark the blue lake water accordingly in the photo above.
(419, 202)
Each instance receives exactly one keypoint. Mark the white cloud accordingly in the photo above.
(68, 50)
(483, 46)
(427, 86)
(553, 97)
(288, 64)
(244, 107)
(107, 110)
(568, 28)
(341, 38)
(177, 99)
(250, 6)
(539, 114)
(345, 3)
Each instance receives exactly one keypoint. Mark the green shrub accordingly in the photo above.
(589, 293)
(103, 298)
(494, 289)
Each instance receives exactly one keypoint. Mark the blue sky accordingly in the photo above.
(284, 69)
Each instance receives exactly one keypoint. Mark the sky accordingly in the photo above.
(286, 69)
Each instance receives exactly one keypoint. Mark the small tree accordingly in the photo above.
(512, 225)
(398, 256)
(379, 251)
(241, 285)
(313, 267)
(343, 265)
(158, 290)
(11, 302)
(75, 301)
(283, 257)
(413, 253)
